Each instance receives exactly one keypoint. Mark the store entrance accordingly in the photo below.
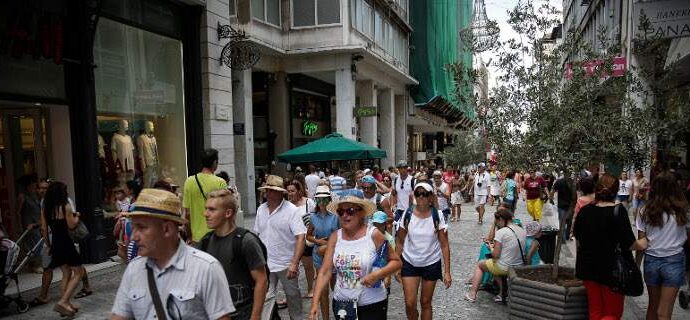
(22, 153)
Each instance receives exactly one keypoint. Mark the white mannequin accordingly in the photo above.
(148, 154)
(123, 150)
(101, 147)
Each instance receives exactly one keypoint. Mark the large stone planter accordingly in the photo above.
(529, 299)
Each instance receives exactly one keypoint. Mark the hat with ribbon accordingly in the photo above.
(157, 203)
(273, 183)
(322, 192)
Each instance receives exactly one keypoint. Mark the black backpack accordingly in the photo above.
(237, 257)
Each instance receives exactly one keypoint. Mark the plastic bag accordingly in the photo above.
(549, 217)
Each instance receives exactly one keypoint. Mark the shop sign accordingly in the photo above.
(149, 96)
(662, 19)
(619, 67)
(361, 112)
(309, 128)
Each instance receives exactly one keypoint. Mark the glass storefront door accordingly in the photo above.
(22, 153)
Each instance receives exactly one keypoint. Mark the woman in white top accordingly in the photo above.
(625, 186)
(422, 240)
(297, 194)
(664, 226)
(361, 259)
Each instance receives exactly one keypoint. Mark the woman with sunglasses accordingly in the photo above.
(357, 253)
(323, 223)
(422, 240)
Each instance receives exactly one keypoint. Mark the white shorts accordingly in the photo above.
(479, 200)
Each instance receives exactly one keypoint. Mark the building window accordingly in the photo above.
(267, 11)
(233, 7)
(140, 107)
(307, 13)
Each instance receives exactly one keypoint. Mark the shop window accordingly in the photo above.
(140, 107)
(315, 12)
(267, 11)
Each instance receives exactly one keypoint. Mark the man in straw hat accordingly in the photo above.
(169, 280)
(279, 226)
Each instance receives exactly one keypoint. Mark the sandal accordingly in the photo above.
(83, 293)
(498, 299)
(37, 302)
(467, 297)
(63, 311)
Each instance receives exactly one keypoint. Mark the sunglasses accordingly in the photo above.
(422, 194)
(348, 211)
(369, 188)
(322, 200)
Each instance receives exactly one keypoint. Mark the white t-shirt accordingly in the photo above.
(422, 247)
(666, 240)
(277, 231)
(312, 181)
(404, 191)
(510, 249)
(624, 187)
(483, 179)
(442, 202)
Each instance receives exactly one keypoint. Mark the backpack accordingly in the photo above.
(434, 215)
(238, 257)
(378, 200)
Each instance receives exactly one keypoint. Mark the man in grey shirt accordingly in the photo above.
(188, 283)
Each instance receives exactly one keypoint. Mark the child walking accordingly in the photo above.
(456, 201)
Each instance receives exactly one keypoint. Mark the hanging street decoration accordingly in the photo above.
(482, 33)
(239, 53)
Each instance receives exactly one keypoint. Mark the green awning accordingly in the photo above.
(332, 147)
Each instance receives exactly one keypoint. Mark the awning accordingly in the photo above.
(441, 107)
(332, 147)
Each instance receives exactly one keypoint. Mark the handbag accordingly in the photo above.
(626, 277)
(80, 232)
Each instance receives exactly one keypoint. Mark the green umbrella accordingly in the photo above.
(331, 147)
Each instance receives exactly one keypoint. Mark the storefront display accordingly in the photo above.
(140, 104)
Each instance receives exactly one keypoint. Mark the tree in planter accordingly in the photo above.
(546, 113)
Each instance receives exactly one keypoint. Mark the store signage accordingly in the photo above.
(662, 19)
(620, 65)
(309, 128)
(361, 112)
(149, 96)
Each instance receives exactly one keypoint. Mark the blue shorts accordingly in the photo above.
(623, 198)
(446, 214)
(666, 271)
(638, 203)
(431, 272)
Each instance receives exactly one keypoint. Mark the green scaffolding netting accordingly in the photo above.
(436, 41)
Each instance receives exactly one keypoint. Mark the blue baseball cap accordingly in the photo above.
(368, 179)
(379, 217)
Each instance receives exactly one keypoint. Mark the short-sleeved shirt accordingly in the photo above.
(193, 280)
(665, 240)
(404, 188)
(195, 201)
(598, 232)
(422, 247)
(481, 183)
(324, 224)
(533, 187)
(252, 256)
(625, 187)
(337, 182)
(277, 231)
(311, 181)
(565, 193)
(511, 255)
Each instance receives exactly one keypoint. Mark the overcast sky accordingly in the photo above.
(497, 10)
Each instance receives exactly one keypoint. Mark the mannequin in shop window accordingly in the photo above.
(123, 152)
(148, 154)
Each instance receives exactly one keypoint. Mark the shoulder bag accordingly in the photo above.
(626, 277)
(522, 252)
(153, 291)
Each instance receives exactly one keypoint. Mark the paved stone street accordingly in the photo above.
(465, 237)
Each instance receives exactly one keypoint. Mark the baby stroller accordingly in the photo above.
(10, 265)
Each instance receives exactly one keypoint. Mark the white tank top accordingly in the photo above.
(353, 260)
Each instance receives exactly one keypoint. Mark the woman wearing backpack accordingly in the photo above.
(422, 240)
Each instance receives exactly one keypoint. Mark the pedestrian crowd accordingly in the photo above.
(351, 233)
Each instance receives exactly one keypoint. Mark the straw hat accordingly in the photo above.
(159, 204)
(274, 183)
(367, 206)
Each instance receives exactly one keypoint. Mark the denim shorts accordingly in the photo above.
(666, 271)
(638, 203)
(623, 198)
(431, 272)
